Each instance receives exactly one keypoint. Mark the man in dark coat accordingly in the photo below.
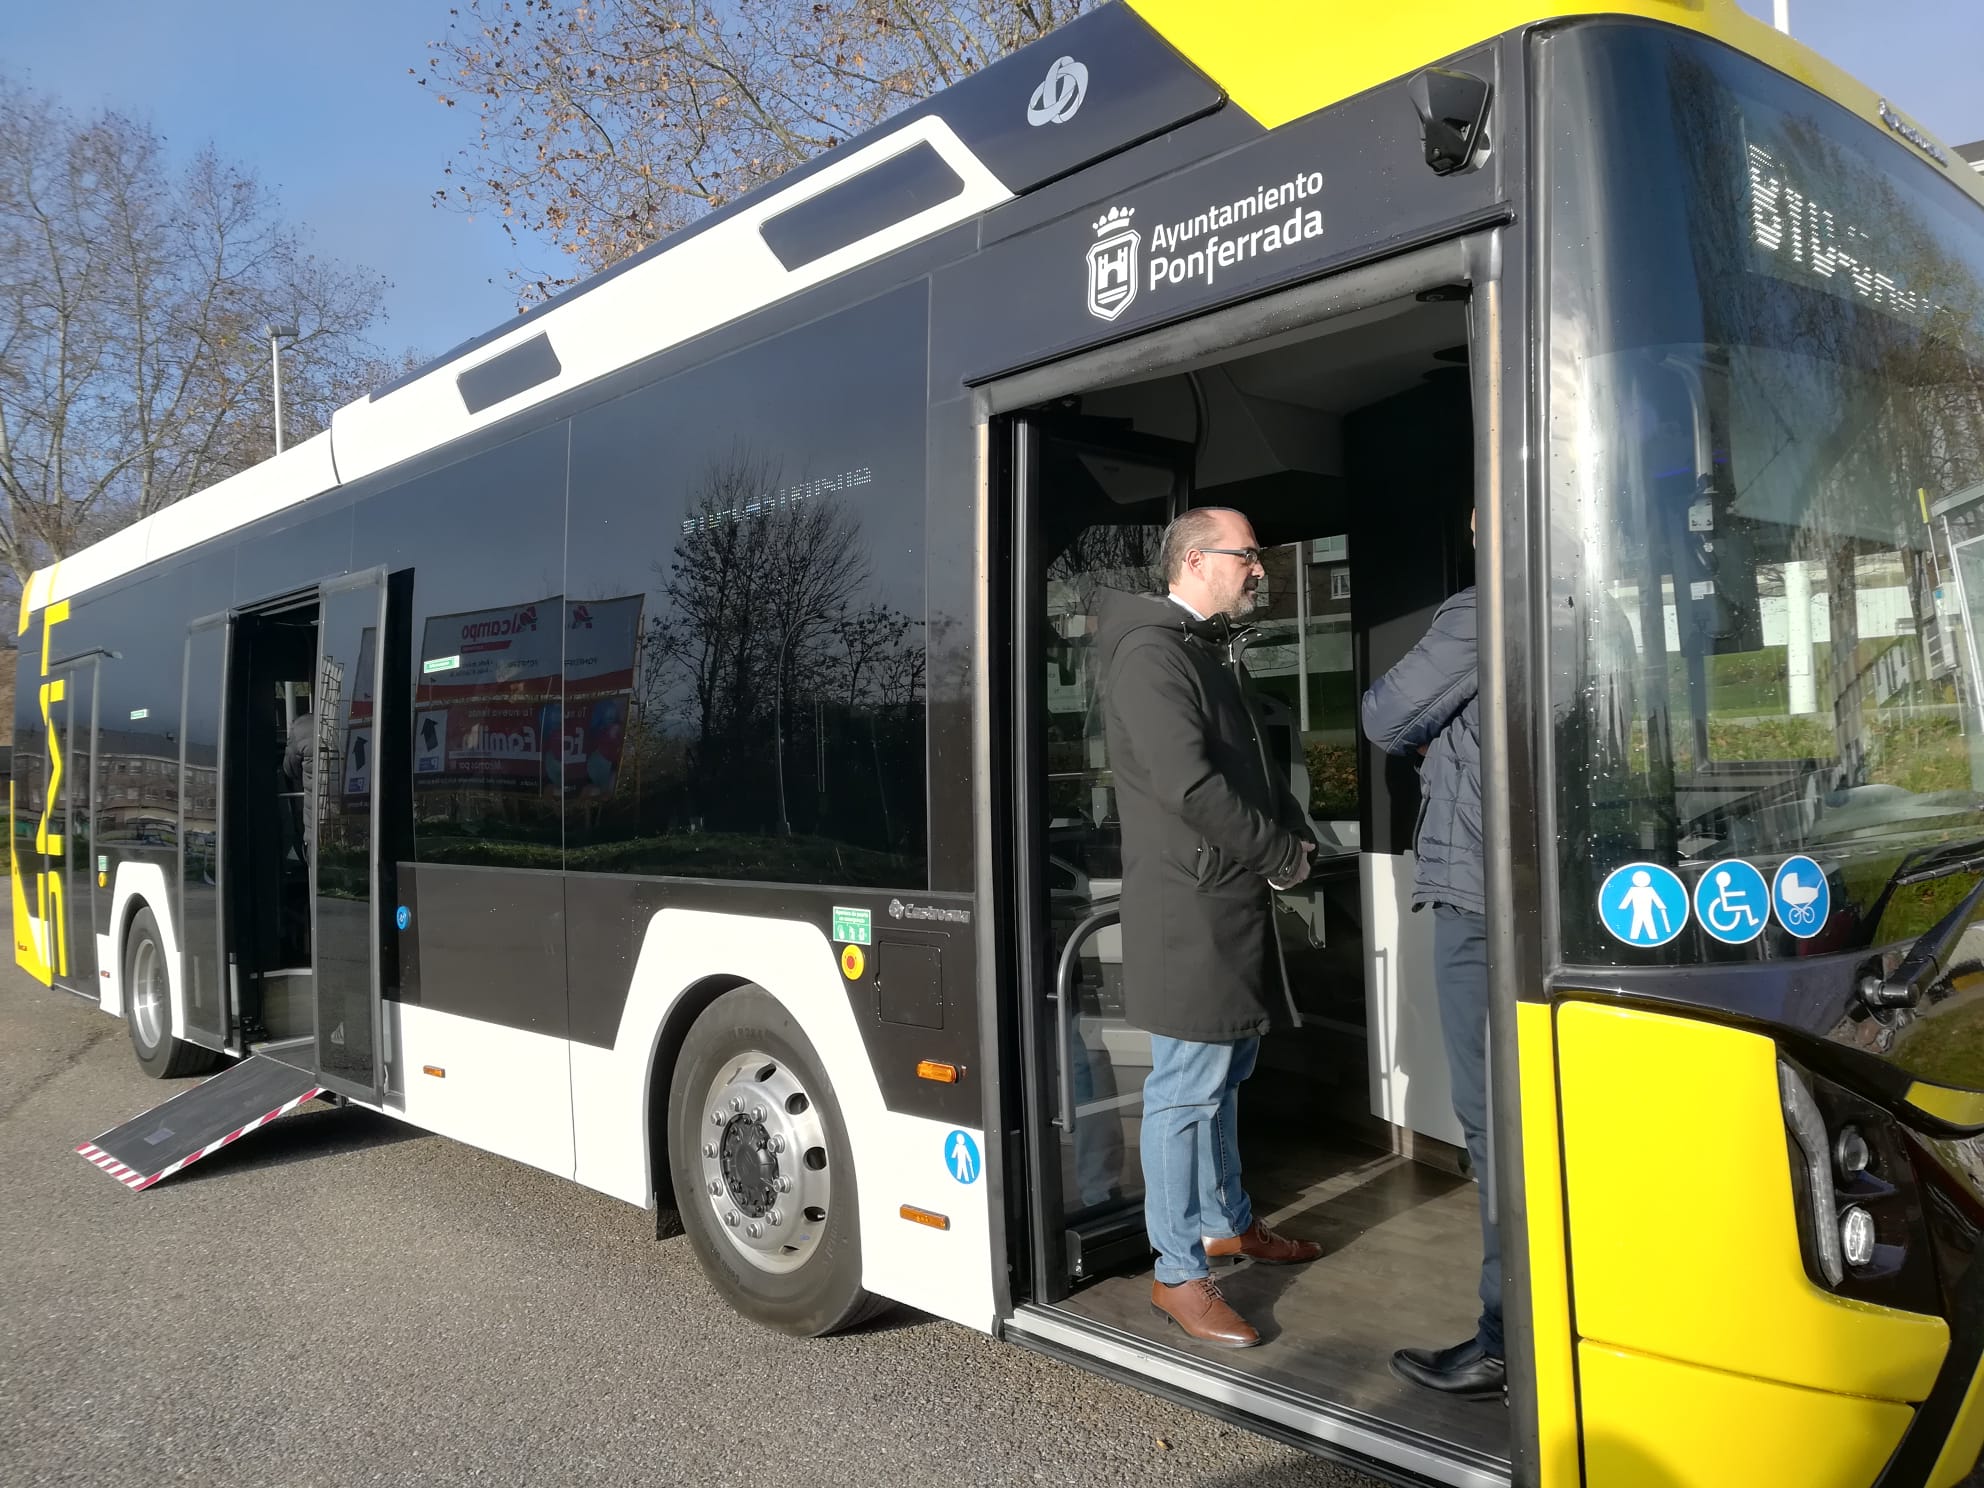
(1206, 832)
(1429, 705)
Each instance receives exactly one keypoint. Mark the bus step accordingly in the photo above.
(199, 1121)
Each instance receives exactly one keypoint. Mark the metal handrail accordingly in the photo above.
(1064, 997)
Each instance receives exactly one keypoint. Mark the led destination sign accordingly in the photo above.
(1810, 234)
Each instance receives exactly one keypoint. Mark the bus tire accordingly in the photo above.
(763, 1176)
(148, 1007)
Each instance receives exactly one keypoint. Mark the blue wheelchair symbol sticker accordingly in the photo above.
(1801, 897)
(961, 1156)
(1732, 902)
(404, 917)
(1643, 904)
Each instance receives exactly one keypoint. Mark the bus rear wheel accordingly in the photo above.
(759, 1158)
(148, 1008)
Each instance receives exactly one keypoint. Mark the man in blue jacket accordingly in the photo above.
(1429, 705)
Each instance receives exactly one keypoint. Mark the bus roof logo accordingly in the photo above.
(1112, 264)
(1059, 96)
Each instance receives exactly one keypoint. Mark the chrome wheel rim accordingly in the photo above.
(767, 1174)
(148, 1007)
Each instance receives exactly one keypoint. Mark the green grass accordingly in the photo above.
(1947, 1047)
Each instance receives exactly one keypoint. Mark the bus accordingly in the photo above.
(658, 741)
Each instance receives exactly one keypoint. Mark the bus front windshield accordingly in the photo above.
(1766, 532)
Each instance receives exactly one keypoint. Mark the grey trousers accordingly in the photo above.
(1460, 949)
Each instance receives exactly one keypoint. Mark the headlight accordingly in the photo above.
(1856, 1236)
(1851, 1153)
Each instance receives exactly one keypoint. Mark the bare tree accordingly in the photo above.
(606, 126)
(133, 295)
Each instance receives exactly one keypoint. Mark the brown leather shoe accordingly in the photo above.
(1198, 1308)
(1260, 1243)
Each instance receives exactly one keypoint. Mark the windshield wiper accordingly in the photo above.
(1938, 860)
(1941, 861)
(1928, 958)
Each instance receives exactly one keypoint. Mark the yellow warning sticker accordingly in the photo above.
(852, 962)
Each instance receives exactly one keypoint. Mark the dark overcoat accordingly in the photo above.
(1205, 826)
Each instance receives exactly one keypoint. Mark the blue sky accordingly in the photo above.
(317, 99)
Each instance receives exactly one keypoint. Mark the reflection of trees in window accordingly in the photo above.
(1119, 556)
(1105, 557)
(779, 696)
(1843, 321)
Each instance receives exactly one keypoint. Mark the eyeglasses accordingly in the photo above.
(1252, 555)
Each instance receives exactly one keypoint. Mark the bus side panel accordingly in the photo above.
(898, 1158)
(1654, 1423)
(505, 1090)
(1684, 1234)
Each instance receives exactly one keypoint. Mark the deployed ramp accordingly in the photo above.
(199, 1121)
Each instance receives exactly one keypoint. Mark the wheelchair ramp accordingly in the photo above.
(200, 1121)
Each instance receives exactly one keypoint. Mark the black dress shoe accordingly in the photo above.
(1465, 1369)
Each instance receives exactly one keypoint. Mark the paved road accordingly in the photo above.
(343, 1300)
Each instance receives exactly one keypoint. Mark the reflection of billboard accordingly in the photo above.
(430, 742)
(601, 638)
(361, 690)
(512, 651)
(358, 762)
(594, 732)
(487, 704)
(489, 741)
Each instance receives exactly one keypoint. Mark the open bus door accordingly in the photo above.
(1367, 406)
(201, 918)
(1087, 1063)
(349, 899)
(64, 841)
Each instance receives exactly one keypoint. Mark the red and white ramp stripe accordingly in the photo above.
(132, 1179)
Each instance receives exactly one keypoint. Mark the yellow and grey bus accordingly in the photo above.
(658, 741)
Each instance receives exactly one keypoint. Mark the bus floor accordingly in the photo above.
(1401, 1254)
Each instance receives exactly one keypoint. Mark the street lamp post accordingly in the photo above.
(278, 331)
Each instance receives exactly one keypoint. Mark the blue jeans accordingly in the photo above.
(1191, 1152)
(1460, 952)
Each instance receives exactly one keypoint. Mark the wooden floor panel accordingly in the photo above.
(1401, 1258)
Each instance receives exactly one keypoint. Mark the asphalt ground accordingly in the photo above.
(341, 1299)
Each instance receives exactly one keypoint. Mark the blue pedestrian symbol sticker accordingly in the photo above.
(1732, 902)
(1643, 904)
(961, 1156)
(1801, 897)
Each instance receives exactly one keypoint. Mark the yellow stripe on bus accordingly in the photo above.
(1282, 59)
(1549, 1265)
(1957, 1107)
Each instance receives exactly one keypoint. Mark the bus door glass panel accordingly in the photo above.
(62, 829)
(1097, 511)
(342, 825)
(203, 963)
(1300, 656)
